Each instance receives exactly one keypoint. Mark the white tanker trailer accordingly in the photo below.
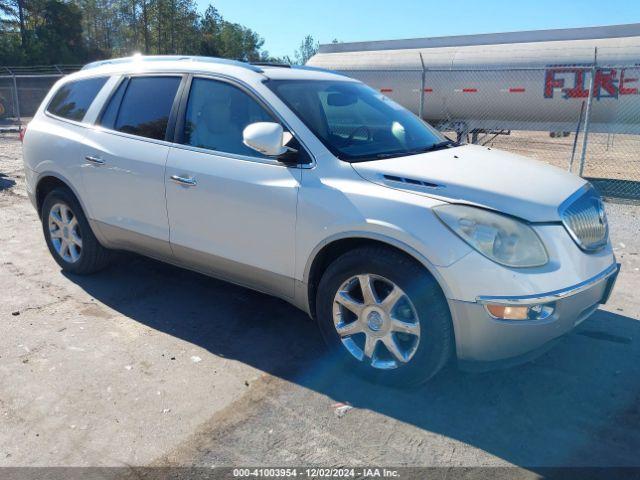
(537, 80)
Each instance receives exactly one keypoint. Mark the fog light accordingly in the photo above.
(513, 312)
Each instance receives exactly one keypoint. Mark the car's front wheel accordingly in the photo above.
(385, 316)
(68, 234)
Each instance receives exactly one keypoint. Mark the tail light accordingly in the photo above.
(22, 131)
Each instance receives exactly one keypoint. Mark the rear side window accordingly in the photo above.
(73, 99)
(145, 106)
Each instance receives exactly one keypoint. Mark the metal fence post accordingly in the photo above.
(575, 140)
(16, 98)
(422, 85)
(587, 116)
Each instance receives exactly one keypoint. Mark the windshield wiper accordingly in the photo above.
(382, 156)
(441, 145)
(430, 148)
(377, 156)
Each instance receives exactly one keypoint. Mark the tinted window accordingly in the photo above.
(74, 98)
(146, 106)
(108, 118)
(217, 113)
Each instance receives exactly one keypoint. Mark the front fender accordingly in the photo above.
(362, 234)
(330, 210)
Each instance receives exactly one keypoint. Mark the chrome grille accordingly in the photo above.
(585, 219)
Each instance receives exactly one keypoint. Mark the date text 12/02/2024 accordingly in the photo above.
(371, 472)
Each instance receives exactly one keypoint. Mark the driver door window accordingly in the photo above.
(216, 115)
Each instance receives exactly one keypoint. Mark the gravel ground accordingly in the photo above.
(147, 364)
(612, 156)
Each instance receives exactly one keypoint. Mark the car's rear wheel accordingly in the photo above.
(68, 234)
(385, 316)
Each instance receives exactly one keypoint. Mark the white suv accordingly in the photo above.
(409, 249)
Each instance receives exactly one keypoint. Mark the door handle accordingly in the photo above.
(188, 181)
(92, 159)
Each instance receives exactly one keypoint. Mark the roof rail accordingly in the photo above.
(318, 69)
(271, 64)
(169, 58)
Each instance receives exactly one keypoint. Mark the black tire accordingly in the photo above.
(436, 345)
(92, 256)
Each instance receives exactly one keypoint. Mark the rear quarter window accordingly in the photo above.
(145, 106)
(73, 99)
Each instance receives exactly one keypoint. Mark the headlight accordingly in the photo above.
(501, 238)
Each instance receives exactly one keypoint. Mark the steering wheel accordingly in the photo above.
(356, 130)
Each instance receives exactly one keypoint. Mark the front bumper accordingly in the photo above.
(483, 338)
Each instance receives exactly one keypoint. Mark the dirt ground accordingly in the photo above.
(611, 156)
(147, 364)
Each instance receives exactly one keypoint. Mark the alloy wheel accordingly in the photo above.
(376, 321)
(64, 231)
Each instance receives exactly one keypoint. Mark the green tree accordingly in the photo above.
(220, 38)
(210, 27)
(58, 34)
(41, 32)
(13, 19)
(307, 49)
(100, 26)
(75, 31)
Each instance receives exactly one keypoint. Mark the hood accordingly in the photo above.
(481, 176)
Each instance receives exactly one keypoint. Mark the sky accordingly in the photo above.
(284, 23)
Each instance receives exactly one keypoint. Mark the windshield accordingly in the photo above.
(355, 122)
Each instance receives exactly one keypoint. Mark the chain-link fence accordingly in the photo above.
(583, 118)
(22, 90)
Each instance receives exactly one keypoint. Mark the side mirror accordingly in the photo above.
(265, 137)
